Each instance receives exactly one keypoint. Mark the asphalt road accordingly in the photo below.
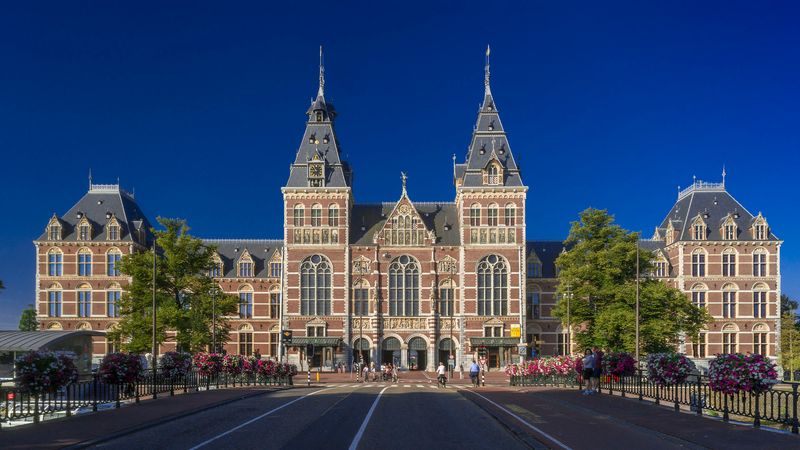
(366, 416)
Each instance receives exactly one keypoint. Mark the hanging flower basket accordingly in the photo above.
(619, 364)
(232, 364)
(208, 364)
(267, 368)
(734, 372)
(44, 371)
(120, 368)
(175, 364)
(669, 369)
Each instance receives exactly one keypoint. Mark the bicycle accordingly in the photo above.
(441, 381)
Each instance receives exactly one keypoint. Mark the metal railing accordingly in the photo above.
(93, 393)
(778, 406)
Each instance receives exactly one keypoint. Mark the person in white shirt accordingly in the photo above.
(440, 372)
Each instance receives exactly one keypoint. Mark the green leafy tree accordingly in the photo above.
(184, 294)
(789, 306)
(599, 271)
(790, 344)
(27, 321)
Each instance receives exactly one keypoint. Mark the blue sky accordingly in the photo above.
(199, 107)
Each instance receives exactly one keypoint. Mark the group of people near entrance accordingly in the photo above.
(386, 372)
(592, 368)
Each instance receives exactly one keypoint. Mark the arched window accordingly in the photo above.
(760, 263)
(534, 302)
(404, 287)
(84, 300)
(360, 298)
(492, 286)
(333, 215)
(698, 229)
(511, 215)
(316, 215)
(315, 286)
(760, 228)
(729, 301)
(112, 228)
(85, 262)
(760, 295)
(729, 263)
(113, 258)
(760, 339)
(729, 229)
(246, 302)
(492, 213)
(475, 215)
(55, 260)
(246, 265)
(699, 295)
(54, 300)
(447, 295)
(113, 294)
(699, 263)
(729, 338)
(404, 228)
(274, 302)
(299, 215)
(246, 339)
(493, 174)
(54, 229)
(84, 230)
(216, 266)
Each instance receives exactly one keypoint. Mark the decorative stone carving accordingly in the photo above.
(445, 323)
(405, 323)
(357, 323)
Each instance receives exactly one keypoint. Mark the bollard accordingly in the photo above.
(309, 376)
(483, 378)
(317, 377)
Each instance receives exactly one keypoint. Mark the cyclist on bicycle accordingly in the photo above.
(440, 374)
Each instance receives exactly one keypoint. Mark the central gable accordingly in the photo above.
(404, 227)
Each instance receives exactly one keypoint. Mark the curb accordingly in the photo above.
(515, 431)
(167, 419)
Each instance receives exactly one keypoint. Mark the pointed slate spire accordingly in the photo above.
(319, 145)
(489, 142)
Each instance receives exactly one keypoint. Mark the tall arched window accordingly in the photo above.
(333, 215)
(475, 215)
(84, 300)
(113, 294)
(729, 338)
(360, 298)
(760, 293)
(85, 262)
(699, 295)
(55, 262)
(760, 262)
(316, 215)
(113, 258)
(729, 301)
(315, 286)
(299, 215)
(760, 339)
(54, 300)
(246, 339)
(492, 214)
(492, 286)
(511, 215)
(699, 263)
(534, 303)
(729, 263)
(404, 287)
(246, 302)
(447, 294)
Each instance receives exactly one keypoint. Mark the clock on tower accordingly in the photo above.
(316, 173)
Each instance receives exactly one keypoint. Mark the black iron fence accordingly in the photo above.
(93, 394)
(777, 406)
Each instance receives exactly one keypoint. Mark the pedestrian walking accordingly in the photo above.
(474, 370)
(461, 371)
(365, 372)
(598, 368)
(588, 371)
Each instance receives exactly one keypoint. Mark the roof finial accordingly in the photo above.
(454, 165)
(724, 173)
(404, 177)
(90, 178)
(321, 91)
(486, 75)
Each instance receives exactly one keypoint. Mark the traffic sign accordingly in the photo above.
(286, 336)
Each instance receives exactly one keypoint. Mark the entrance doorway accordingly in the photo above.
(390, 351)
(361, 351)
(444, 351)
(417, 352)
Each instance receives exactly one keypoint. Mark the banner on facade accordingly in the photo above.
(515, 330)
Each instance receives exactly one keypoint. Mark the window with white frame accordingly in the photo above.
(113, 296)
(84, 300)
(54, 300)
(275, 269)
(760, 295)
(274, 309)
(216, 267)
(315, 331)
(510, 215)
(699, 230)
(729, 263)
(246, 264)
(493, 331)
(699, 296)
(55, 262)
(246, 340)
(84, 262)
(729, 231)
(447, 293)
(113, 258)
(760, 339)
(54, 230)
(698, 263)
(660, 268)
(729, 301)
(299, 215)
(316, 215)
(760, 263)
(333, 216)
(246, 302)
(492, 213)
(475, 215)
(699, 346)
(315, 286)
(360, 298)
(729, 339)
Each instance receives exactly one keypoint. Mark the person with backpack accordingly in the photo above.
(474, 371)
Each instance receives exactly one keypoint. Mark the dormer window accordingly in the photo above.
(319, 116)
(699, 229)
(728, 229)
(84, 229)
(670, 235)
(112, 229)
(493, 174)
(246, 265)
(216, 267)
(760, 228)
(54, 229)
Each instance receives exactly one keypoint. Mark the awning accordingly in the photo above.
(317, 341)
(494, 341)
(23, 341)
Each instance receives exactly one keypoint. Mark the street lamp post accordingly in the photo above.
(214, 321)
(451, 306)
(637, 301)
(569, 321)
(154, 351)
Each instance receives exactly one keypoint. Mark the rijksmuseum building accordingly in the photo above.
(413, 282)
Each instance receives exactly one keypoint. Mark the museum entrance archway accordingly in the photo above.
(361, 352)
(445, 347)
(390, 351)
(417, 354)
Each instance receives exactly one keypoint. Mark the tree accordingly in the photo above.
(789, 306)
(790, 344)
(599, 271)
(184, 293)
(27, 321)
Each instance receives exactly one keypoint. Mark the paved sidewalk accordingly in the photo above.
(496, 378)
(85, 428)
(610, 422)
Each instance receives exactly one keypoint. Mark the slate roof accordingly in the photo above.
(547, 252)
(489, 141)
(95, 205)
(713, 203)
(261, 250)
(441, 217)
(651, 245)
(337, 173)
